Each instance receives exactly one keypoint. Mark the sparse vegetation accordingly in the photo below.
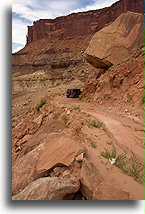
(93, 123)
(77, 108)
(93, 145)
(129, 97)
(65, 118)
(131, 166)
(121, 162)
(109, 142)
(107, 96)
(136, 168)
(86, 114)
(40, 104)
(109, 154)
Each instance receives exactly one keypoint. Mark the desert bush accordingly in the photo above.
(64, 118)
(40, 104)
(93, 123)
(77, 108)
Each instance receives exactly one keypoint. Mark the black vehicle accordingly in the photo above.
(73, 93)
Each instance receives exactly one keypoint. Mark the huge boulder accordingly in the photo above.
(116, 42)
(49, 189)
(58, 152)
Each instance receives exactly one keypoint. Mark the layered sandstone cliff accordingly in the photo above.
(83, 23)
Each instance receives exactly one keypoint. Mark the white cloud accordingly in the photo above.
(63, 5)
(98, 4)
(19, 31)
(34, 10)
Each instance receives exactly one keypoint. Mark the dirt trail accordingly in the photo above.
(126, 131)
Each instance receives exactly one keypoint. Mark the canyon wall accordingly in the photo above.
(83, 23)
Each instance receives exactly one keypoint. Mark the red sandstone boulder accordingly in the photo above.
(117, 41)
(59, 152)
(49, 189)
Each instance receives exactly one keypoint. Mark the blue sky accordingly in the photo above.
(24, 12)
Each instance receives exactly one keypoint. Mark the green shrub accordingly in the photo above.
(65, 118)
(40, 104)
(109, 154)
(93, 145)
(77, 108)
(93, 123)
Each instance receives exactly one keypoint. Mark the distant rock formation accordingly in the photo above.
(83, 23)
(117, 41)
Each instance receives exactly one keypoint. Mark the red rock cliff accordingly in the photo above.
(82, 23)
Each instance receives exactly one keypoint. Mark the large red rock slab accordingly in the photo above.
(59, 152)
(49, 189)
(24, 169)
(116, 42)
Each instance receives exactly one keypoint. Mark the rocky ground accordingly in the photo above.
(67, 146)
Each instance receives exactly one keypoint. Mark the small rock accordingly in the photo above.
(126, 110)
(27, 137)
(20, 135)
(52, 174)
(38, 120)
(112, 160)
(80, 157)
(18, 149)
(66, 173)
(68, 112)
(57, 170)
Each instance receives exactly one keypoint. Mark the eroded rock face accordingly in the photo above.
(59, 152)
(116, 42)
(49, 189)
(97, 62)
(24, 170)
(78, 24)
(90, 178)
